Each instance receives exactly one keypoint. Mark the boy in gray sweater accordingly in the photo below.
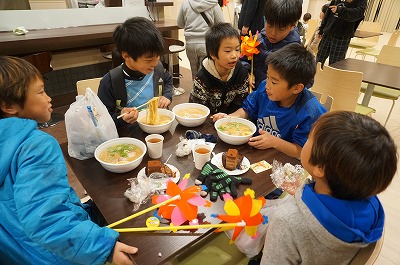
(351, 158)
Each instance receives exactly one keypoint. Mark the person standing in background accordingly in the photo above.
(196, 17)
(251, 16)
(337, 28)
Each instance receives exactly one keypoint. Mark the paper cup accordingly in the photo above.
(154, 144)
(201, 154)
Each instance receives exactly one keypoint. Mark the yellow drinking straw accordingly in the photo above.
(179, 227)
(177, 197)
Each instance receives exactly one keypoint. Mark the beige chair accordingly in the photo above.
(375, 52)
(312, 26)
(328, 100)
(368, 255)
(93, 83)
(343, 86)
(388, 55)
(363, 43)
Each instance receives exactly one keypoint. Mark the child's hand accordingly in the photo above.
(131, 115)
(218, 116)
(119, 256)
(163, 102)
(262, 141)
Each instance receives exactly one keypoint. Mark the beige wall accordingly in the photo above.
(47, 4)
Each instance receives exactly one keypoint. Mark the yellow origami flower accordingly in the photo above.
(249, 45)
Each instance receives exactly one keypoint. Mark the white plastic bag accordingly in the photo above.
(88, 125)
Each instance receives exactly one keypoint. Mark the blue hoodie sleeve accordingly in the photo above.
(48, 209)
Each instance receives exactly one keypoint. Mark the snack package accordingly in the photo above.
(287, 177)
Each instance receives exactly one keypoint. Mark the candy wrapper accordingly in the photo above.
(287, 177)
(140, 192)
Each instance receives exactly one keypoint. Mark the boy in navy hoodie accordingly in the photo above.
(280, 29)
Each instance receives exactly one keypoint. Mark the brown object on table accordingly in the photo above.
(231, 159)
(168, 171)
(153, 166)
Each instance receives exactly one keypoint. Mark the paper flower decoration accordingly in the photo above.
(248, 48)
(183, 209)
(246, 209)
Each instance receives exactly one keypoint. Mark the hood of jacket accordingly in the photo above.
(209, 65)
(349, 220)
(202, 5)
(13, 131)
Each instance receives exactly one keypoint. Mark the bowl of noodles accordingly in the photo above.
(235, 131)
(159, 121)
(120, 155)
(191, 114)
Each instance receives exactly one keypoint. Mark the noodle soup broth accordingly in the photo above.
(120, 153)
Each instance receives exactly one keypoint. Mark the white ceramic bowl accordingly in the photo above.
(156, 128)
(232, 139)
(190, 122)
(120, 168)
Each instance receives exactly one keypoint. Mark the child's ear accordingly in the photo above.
(9, 109)
(297, 88)
(125, 55)
(318, 172)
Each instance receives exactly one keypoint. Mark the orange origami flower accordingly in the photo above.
(245, 208)
(249, 45)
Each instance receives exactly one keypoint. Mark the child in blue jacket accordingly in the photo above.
(42, 219)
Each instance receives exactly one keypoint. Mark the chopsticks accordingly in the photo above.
(138, 107)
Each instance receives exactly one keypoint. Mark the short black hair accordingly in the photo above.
(294, 63)
(282, 13)
(216, 34)
(138, 36)
(357, 154)
(324, 8)
(306, 17)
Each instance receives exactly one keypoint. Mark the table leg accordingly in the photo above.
(368, 94)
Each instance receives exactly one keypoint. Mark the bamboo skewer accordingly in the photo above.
(138, 107)
(180, 227)
(177, 197)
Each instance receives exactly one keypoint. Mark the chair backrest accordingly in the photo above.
(371, 27)
(393, 38)
(93, 83)
(389, 55)
(328, 100)
(41, 60)
(312, 26)
(369, 254)
(342, 85)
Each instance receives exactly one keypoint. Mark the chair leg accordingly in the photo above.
(177, 90)
(390, 112)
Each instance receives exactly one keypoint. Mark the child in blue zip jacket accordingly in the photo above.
(280, 29)
(283, 110)
(43, 220)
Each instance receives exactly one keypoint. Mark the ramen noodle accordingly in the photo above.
(152, 111)
(191, 113)
(120, 153)
(235, 129)
(160, 120)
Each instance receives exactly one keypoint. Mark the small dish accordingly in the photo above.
(142, 176)
(245, 165)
